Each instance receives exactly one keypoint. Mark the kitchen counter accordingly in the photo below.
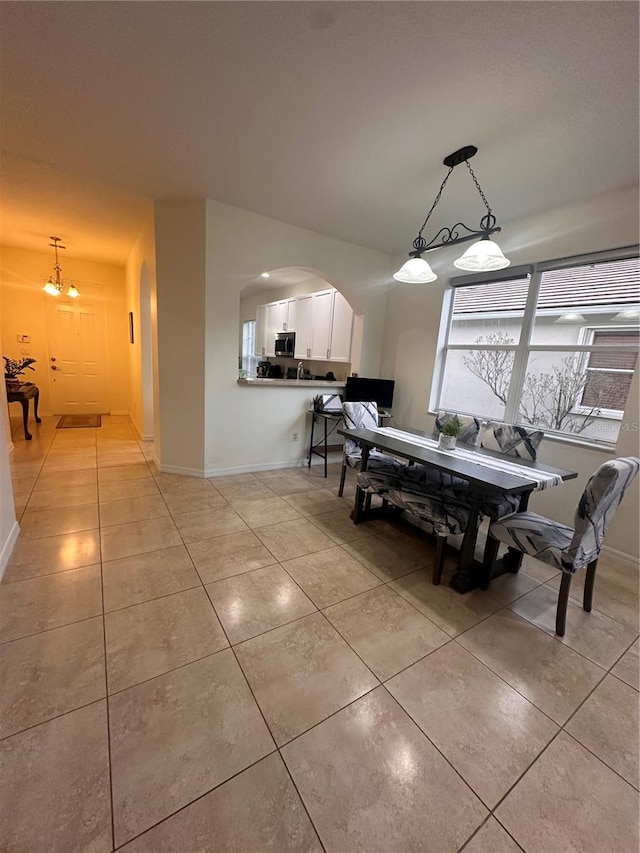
(294, 383)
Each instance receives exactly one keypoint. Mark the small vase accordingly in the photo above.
(446, 442)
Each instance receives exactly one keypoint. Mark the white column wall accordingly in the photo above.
(181, 334)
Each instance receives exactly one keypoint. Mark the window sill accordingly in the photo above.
(591, 444)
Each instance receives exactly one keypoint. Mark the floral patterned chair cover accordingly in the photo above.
(382, 470)
(568, 548)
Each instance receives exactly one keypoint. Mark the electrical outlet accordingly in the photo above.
(296, 436)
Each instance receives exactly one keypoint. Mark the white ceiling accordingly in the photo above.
(331, 116)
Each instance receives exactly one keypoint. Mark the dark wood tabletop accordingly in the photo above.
(478, 475)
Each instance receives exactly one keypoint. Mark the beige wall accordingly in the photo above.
(23, 311)
(413, 320)
(9, 528)
(142, 262)
(246, 427)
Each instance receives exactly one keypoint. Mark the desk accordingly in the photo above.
(321, 448)
(25, 393)
(482, 480)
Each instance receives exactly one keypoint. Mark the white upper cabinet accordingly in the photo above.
(290, 315)
(322, 322)
(273, 326)
(321, 338)
(304, 326)
(341, 329)
(261, 331)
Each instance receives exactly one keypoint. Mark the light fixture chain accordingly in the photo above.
(437, 199)
(478, 187)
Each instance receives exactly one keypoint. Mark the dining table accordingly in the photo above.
(487, 473)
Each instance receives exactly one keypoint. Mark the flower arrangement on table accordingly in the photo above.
(13, 368)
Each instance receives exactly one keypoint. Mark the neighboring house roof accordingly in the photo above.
(613, 283)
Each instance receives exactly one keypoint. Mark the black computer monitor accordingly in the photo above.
(363, 390)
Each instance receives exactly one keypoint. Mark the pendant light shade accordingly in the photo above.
(481, 256)
(415, 271)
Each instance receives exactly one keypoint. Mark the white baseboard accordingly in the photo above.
(176, 469)
(243, 469)
(269, 466)
(136, 429)
(7, 548)
(621, 555)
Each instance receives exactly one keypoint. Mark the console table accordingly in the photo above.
(22, 395)
(322, 448)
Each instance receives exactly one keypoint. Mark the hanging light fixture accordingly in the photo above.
(481, 256)
(56, 284)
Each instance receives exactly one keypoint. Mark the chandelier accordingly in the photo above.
(55, 285)
(482, 255)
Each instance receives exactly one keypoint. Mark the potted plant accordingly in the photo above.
(449, 432)
(13, 369)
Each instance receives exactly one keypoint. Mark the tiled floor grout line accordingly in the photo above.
(106, 685)
(277, 749)
(487, 820)
(504, 606)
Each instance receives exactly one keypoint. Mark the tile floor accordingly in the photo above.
(232, 665)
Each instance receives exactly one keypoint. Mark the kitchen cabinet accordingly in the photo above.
(323, 327)
(291, 314)
(321, 338)
(283, 315)
(261, 331)
(341, 329)
(322, 322)
(304, 326)
(273, 319)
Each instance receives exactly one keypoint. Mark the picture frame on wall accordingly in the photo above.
(131, 340)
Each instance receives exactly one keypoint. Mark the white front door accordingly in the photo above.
(77, 358)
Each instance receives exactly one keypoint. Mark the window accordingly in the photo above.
(249, 358)
(608, 372)
(553, 346)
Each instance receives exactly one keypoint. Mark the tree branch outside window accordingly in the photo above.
(549, 398)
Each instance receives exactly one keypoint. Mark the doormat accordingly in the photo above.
(77, 421)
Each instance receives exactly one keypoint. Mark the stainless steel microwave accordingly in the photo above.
(285, 343)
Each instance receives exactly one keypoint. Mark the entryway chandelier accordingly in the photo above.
(482, 255)
(56, 284)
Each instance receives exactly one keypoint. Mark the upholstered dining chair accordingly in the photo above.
(380, 465)
(567, 548)
(511, 440)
